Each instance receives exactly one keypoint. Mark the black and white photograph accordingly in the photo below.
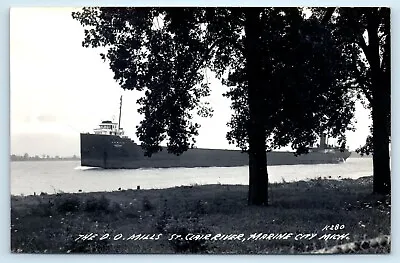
(200, 130)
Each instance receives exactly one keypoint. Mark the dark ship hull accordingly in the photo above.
(114, 152)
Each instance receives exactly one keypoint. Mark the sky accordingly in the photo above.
(59, 89)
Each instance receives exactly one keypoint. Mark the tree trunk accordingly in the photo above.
(381, 157)
(380, 112)
(380, 137)
(258, 176)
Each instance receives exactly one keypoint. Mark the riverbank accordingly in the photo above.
(144, 221)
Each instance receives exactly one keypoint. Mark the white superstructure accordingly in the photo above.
(109, 128)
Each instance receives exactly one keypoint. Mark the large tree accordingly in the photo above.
(364, 34)
(284, 89)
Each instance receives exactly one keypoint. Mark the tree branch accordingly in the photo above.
(195, 67)
(328, 15)
(361, 42)
(366, 93)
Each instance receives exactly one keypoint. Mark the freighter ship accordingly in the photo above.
(108, 147)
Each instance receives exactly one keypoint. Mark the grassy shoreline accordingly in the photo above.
(143, 221)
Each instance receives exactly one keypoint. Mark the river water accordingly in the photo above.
(68, 176)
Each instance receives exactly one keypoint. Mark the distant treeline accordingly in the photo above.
(43, 157)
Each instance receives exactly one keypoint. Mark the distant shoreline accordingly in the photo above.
(43, 160)
(44, 157)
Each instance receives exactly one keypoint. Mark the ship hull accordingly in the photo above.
(114, 152)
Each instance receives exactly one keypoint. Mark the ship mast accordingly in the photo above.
(120, 107)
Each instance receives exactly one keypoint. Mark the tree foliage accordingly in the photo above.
(165, 51)
(162, 53)
(364, 32)
(306, 84)
(365, 35)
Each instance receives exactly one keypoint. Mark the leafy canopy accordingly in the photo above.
(358, 30)
(166, 52)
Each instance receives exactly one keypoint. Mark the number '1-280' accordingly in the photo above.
(333, 227)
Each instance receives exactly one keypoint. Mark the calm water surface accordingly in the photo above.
(69, 176)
